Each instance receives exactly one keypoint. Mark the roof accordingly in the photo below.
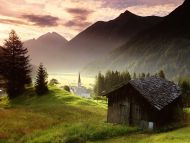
(157, 91)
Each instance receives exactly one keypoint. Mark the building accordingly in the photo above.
(148, 103)
(80, 90)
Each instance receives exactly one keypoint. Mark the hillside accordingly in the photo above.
(65, 118)
(177, 136)
(102, 37)
(164, 46)
(48, 49)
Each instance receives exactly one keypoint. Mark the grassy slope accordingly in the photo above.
(177, 136)
(56, 117)
(62, 117)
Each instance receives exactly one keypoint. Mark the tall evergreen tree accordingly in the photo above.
(134, 76)
(14, 65)
(99, 87)
(161, 74)
(41, 86)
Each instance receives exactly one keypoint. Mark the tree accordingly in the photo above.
(134, 76)
(14, 66)
(67, 88)
(110, 80)
(53, 82)
(148, 75)
(99, 86)
(185, 91)
(41, 81)
(161, 74)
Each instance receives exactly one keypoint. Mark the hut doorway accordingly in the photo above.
(124, 114)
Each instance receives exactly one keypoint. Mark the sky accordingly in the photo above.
(32, 18)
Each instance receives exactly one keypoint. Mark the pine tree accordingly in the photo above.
(134, 76)
(41, 81)
(161, 74)
(15, 66)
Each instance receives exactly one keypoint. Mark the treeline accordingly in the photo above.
(185, 91)
(106, 82)
(15, 68)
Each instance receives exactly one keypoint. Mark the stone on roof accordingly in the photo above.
(157, 91)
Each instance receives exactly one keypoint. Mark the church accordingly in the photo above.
(80, 90)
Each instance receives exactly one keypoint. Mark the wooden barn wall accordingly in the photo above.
(127, 107)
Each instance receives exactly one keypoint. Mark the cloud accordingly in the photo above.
(42, 20)
(79, 18)
(78, 11)
(159, 10)
(120, 4)
(11, 21)
(77, 25)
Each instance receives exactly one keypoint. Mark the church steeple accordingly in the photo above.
(79, 80)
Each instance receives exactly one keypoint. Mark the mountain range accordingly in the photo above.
(165, 46)
(136, 43)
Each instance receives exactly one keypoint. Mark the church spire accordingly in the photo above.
(79, 80)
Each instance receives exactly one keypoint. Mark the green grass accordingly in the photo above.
(178, 136)
(60, 117)
(56, 117)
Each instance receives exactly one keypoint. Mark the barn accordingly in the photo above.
(149, 102)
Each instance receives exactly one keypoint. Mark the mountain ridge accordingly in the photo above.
(165, 46)
(102, 37)
(47, 49)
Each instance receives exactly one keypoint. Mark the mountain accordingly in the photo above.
(48, 49)
(165, 45)
(102, 37)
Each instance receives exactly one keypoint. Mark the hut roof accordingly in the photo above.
(157, 91)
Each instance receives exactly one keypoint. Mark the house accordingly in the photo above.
(148, 103)
(80, 90)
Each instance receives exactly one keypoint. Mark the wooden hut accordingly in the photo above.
(149, 102)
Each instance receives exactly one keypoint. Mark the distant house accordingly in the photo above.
(149, 102)
(80, 90)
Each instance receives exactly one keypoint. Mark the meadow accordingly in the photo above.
(61, 117)
(56, 117)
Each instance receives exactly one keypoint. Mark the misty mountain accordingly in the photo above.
(102, 37)
(47, 49)
(165, 46)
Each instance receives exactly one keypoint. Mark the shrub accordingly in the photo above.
(53, 82)
(67, 88)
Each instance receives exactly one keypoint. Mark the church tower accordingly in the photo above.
(79, 81)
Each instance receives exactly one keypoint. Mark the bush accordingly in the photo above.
(53, 82)
(67, 88)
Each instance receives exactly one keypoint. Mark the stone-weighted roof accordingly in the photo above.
(157, 91)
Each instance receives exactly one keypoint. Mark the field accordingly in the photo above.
(56, 117)
(60, 117)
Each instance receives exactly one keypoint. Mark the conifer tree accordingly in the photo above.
(41, 86)
(14, 65)
(161, 74)
(134, 76)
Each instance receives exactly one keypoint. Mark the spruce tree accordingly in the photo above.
(14, 65)
(161, 74)
(41, 81)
